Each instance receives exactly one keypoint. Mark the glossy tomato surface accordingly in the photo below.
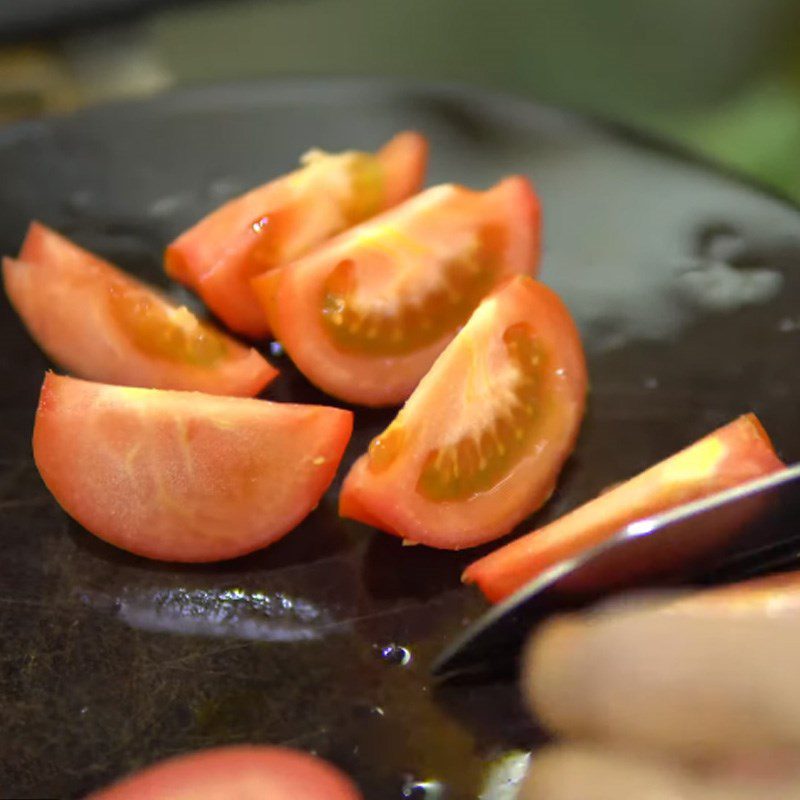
(99, 323)
(480, 443)
(365, 316)
(182, 476)
(285, 218)
(236, 773)
(727, 457)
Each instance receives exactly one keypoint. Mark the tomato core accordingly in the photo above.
(479, 460)
(420, 321)
(172, 334)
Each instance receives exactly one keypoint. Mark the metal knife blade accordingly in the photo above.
(736, 534)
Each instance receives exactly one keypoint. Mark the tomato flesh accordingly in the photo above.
(727, 457)
(242, 772)
(287, 217)
(365, 315)
(479, 444)
(184, 476)
(99, 323)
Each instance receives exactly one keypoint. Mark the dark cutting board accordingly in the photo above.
(686, 286)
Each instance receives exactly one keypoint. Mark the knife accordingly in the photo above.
(750, 530)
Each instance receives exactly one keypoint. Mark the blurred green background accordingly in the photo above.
(720, 76)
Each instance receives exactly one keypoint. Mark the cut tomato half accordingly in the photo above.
(99, 323)
(364, 316)
(243, 772)
(184, 476)
(731, 455)
(285, 218)
(480, 442)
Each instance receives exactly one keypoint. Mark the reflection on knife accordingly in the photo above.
(747, 531)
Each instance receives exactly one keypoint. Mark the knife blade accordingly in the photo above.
(740, 533)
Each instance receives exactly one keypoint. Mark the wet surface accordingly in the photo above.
(686, 287)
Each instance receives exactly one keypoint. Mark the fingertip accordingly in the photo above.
(552, 680)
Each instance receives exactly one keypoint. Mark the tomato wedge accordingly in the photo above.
(285, 218)
(242, 772)
(733, 454)
(480, 442)
(99, 323)
(184, 476)
(364, 316)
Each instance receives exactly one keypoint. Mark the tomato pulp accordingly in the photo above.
(365, 315)
(287, 217)
(480, 442)
(99, 323)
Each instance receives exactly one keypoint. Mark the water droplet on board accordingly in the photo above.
(717, 286)
(103, 603)
(504, 776)
(414, 789)
(651, 383)
(393, 653)
(789, 325)
(721, 242)
(223, 188)
(167, 205)
(79, 200)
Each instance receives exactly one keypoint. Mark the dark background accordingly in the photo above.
(722, 76)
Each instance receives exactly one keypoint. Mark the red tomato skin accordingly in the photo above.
(61, 292)
(214, 256)
(745, 453)
(241, 772)
(291, 296)
(182, 476)
(388, 500)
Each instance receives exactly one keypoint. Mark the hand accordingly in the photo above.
(680, 701)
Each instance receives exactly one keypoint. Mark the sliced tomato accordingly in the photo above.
(733, 454)
(184, 476)
(243, 772)
(365, 316)
(285, 218)
(480, 442)
(99, 323)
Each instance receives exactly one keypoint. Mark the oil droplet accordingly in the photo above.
(84, 710)
(414, 789)
(651, 383)
(260, 224)
(393, 654)
(276, 349)
(789, 325)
